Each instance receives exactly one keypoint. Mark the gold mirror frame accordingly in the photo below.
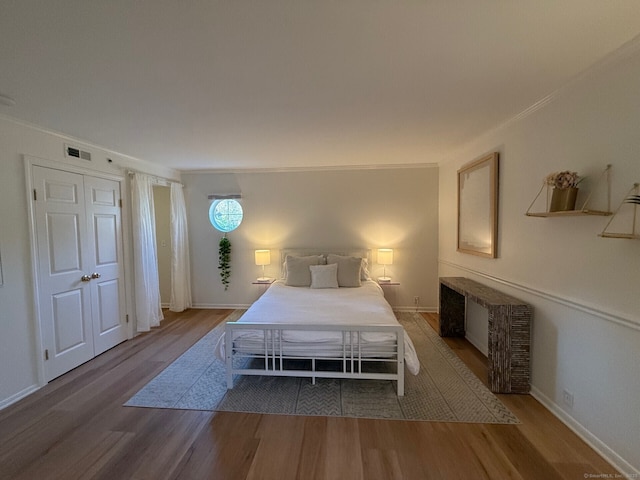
(478, 207)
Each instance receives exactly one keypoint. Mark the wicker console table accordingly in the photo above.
(509, 330)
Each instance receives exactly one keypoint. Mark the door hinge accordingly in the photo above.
(127, 317)
(46, 354)
(35, 195)
(120, 203)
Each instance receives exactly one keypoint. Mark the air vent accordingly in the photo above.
(75, 152)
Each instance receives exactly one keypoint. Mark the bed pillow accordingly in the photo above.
(324, 276)
(348, 269)
(297, 269)
(364, 271)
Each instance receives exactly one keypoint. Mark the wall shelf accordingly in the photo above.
(575, 213)
(568, 213)
(632, 200)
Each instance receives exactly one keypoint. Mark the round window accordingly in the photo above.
(225, 215)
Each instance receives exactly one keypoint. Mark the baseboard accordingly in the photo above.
(482, 347)
(414, 309)
(18, 396)
(226, 306)
(589, 438)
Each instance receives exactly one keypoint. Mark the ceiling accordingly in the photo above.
(206, 84)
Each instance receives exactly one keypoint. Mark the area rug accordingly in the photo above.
(445, 390)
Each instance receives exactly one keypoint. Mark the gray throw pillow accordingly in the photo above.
(349, 269)
(297, 268)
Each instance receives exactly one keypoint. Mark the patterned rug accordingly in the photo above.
(445, 390)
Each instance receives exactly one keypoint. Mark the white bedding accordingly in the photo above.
(363, 305)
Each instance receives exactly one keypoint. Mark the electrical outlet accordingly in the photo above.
(416, 301)
(567, 398)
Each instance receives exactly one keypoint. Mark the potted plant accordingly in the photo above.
(565, 190)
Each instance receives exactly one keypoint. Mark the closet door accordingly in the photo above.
(102, 199)
(64, 296)
(79, 264)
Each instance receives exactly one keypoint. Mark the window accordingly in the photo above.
(225, 215)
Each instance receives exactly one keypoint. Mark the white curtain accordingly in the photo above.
(147, 283)
(180, 271)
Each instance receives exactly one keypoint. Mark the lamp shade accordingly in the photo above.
(263, 257)
(385, 256)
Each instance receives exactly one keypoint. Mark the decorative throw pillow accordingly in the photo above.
(297, 269)
(324, 276)
(348, 269)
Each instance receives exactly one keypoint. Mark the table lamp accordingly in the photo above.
(385, 257)
(263, 257)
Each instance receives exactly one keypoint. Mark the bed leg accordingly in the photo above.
(400, 343)
(228, 351)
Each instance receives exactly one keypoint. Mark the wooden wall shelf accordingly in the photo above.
(633, 200)
(569, 213)
(582, 211)
(629, 236)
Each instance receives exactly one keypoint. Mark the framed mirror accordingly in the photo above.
(478, 207)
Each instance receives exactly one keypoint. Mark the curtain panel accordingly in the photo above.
(146, 277)
(180, 270)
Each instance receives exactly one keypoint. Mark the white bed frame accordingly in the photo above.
(353, 356)
(354, 353)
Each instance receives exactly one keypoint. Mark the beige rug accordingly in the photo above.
(445, 390)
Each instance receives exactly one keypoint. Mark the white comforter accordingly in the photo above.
(363, 305)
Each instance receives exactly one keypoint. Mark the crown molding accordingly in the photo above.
(324, 168)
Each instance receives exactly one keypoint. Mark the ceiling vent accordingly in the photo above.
(71, 151)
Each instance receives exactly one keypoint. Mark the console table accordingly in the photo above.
(509, 330)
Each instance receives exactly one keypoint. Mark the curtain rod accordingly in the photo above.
(224, 197)
(159, 180)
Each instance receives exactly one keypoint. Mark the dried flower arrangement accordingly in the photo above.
(562, 180)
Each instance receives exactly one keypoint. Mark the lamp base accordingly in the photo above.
(384, 279)
(263, 279)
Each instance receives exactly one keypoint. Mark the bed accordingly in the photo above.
(336, 326)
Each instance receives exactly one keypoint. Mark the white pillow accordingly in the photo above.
(297, 269)
(324, 276)
(364, 271)
(348, 269)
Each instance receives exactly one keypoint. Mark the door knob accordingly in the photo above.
(95, 275)
(85, 278)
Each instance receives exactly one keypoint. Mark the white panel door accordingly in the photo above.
(63, 287)
(105, 251)
(80, 277)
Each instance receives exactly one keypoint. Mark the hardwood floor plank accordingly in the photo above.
(279, 448)
(76, 427)
(312, 460)
(224, 449)
(344, 455)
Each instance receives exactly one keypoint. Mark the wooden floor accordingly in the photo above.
(77, 428)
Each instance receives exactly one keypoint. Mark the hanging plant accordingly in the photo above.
(224, 259)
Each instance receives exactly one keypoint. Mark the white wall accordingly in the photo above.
(18, 356)
(584, 288)
(370, 208)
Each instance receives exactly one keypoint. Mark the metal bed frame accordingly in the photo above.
(351, 353)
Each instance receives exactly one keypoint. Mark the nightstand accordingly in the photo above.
(264, 285)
